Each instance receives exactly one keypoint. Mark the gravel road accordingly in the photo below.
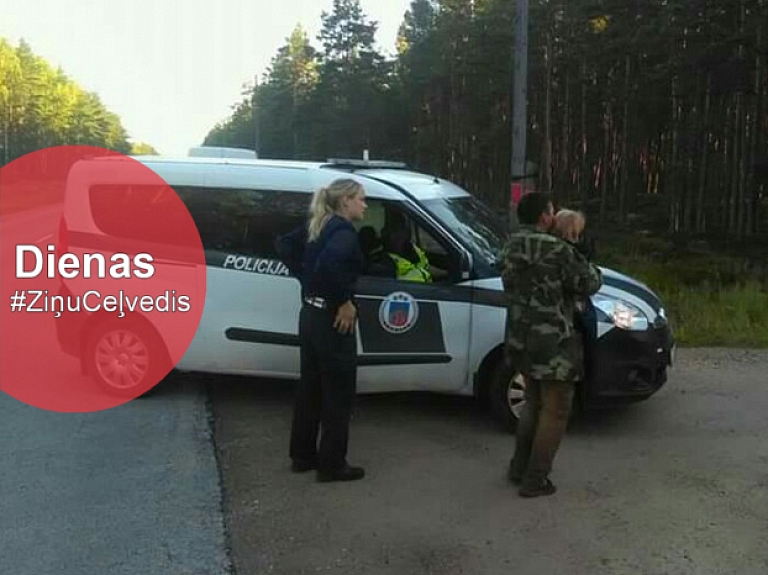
(677, 485)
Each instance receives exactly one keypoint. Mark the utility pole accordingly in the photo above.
(255, 114)
(519, 104)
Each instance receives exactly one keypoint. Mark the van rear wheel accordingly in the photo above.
(507, 395)
(126, 359)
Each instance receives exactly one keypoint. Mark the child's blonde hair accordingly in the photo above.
(569, 224)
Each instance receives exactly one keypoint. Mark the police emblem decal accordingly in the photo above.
(398, 312)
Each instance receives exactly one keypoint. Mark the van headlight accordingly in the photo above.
(621, 313)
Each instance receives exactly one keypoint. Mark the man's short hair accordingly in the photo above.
(532, 206)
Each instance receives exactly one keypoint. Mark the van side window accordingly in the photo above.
(110, 202)
(244, 222)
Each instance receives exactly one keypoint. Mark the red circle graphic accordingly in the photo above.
(102, 282)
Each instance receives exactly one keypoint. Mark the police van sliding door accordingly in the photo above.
(413, 335)
(250, 320)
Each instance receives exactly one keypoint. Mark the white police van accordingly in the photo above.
(445, 336)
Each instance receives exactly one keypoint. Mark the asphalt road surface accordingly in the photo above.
(133, 490)
(677, 485)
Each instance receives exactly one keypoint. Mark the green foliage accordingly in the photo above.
(646, 113)
(347, 35)
(41, 107)
(317, 104)
(238, 131)
(354, 91)
(735, 316)
(713, 299)
(630, 102)
(142, 149)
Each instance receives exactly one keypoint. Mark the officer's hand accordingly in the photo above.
(345, 318)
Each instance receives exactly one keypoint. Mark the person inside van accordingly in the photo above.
(369, 241)
(409, 262)
(399, 257)
(377, 263)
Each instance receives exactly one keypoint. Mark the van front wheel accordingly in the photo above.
(507, 395)
(125, 359)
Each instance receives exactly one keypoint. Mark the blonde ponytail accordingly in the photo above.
(319, 213)
(327, 202)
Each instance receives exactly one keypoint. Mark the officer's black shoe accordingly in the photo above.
(346, 473)
(302, 466)
(546, 488)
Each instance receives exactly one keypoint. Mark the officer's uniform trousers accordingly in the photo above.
(326, 391)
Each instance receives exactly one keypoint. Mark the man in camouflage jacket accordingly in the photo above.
(544, 277)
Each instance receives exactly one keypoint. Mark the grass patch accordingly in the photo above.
(730, 317)
(712, 299)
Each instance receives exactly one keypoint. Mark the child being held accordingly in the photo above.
(569, 225)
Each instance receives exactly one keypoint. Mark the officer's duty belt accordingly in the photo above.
(317, 302)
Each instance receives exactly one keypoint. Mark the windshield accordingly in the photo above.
(474, 222)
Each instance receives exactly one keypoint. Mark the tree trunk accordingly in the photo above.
(671, 180)
(741, 216)
(741, 221)
(294, 123)
(605, 163)
(757, 145)
(735, 171)
(687, 195)
(583, 181)
(624, 159)
(701, 222)
(724, 180)
(565, 180)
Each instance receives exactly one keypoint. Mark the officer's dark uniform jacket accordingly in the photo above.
(326, 270)
(543, 277)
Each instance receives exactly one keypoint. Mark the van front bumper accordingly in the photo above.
(628, 366)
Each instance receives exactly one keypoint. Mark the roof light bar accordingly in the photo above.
(357, 163)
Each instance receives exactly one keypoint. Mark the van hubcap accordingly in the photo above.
(516, 395)
(122, 359)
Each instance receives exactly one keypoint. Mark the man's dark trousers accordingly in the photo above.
(326, 391)
(540, 429)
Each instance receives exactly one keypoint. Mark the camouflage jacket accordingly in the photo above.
(543, 278)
